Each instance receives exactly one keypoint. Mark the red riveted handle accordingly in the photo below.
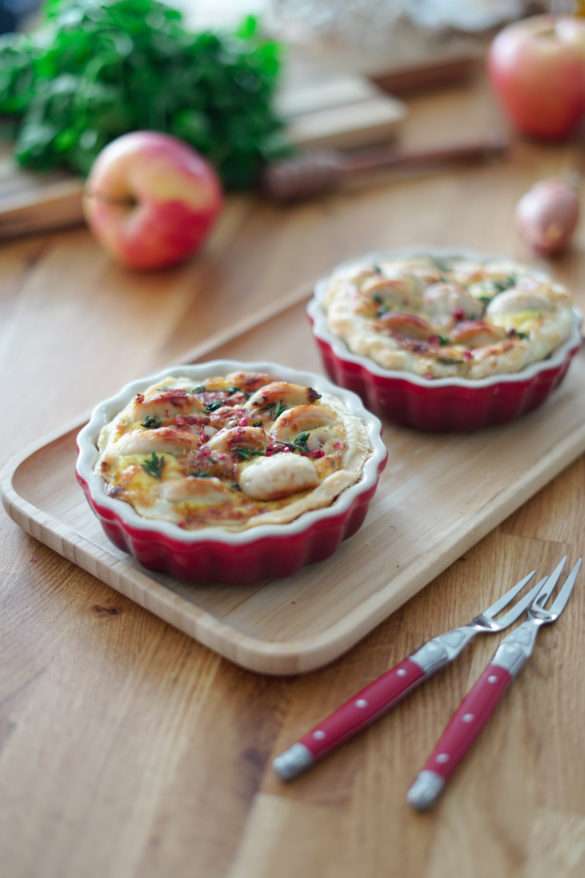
(363, 708)
(468, 721)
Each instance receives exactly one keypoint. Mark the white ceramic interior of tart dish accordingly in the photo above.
(320, 329)
(109, 408)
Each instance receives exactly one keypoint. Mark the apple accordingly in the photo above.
(537, 70)
(151, 199)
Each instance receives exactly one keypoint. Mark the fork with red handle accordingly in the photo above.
(478, 705)
(381, 695)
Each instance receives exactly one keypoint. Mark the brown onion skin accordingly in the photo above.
(547, 216)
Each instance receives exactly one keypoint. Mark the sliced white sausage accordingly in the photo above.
(283, 474)
(168, 439)
(442, 299)
(519, 300)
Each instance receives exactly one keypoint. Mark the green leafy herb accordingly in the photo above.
(505, 283)
(235, 389)
(154, 465)
(275, 408)
(198, 473)
(256, 423)
(247, 453)
(95, 69)
(199, 389)
(213, 406)
(152, 423)
(301, 441)
(378, 298)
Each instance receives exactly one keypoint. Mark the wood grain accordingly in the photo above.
(127, 749)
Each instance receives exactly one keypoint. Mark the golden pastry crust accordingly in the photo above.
(446, 317)
(235, 451)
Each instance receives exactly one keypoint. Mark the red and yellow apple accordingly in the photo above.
(151, 200)
(537, 69)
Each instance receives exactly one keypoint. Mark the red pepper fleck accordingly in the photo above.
(337, 444)
(244, 422)
(318, 452)
(458, 314)
(467, 355)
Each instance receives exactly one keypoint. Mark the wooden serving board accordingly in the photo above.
(438, 496)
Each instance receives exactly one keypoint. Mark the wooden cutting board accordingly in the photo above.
(438, 496)
(340, 112)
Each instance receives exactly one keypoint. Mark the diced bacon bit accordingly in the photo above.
(337, 445)
(458, 314)
(188, 421)
(139, 398)
(237, 436)
(244, 422)
(467, 355)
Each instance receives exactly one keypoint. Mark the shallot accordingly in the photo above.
(547, 216)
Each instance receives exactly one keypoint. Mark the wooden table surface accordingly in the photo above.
(127, 748)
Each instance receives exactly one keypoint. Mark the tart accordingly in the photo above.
(230, 472)
(442, 340)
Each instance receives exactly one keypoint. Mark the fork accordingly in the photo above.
(478, 705)
(384, 692)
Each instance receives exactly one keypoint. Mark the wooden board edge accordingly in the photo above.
(245, 324)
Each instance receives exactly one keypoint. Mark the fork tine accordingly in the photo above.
(564, 594)
(508, 596)
(545, 592)
(516, 611)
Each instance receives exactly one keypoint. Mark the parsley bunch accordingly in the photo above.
(96, 69)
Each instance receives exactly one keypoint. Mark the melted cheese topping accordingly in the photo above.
(235, 451)
(447, 317)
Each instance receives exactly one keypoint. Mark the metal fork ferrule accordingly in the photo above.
(516, 648)
(441, 650)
